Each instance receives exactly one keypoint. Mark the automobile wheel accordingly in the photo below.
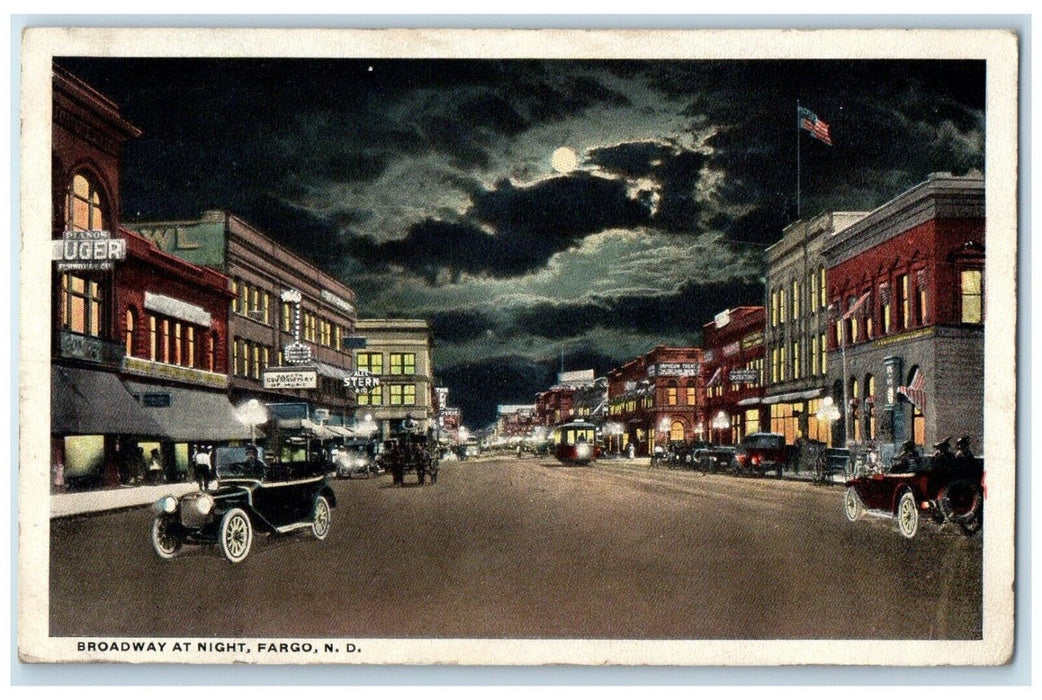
(852, 504)
(322, 518)
(907, 515)
(166, 543)
(971, 525)
(236, 535)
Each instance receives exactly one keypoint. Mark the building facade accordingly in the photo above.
(733, 368)
(655, 399)
(399, 352)
(906, 346)
(137, 364)
(796, 375)
(288, 343)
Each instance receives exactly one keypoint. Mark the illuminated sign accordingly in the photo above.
(361, 380)
(297, 353)
(87, 250)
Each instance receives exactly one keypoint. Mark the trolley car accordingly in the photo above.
(575, 442)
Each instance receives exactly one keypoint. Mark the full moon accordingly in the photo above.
(564, 160)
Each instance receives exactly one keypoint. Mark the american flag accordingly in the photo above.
(915, 390)
(818, 128)
(856, 306)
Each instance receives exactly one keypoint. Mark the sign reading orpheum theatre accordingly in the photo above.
(87, 250)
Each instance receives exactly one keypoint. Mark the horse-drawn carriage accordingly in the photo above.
(410, 452)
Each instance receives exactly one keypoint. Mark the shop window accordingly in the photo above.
(918, 426)
(676, 431)
(971, 294)
(82, 304)
(752, 421)
(403, 363)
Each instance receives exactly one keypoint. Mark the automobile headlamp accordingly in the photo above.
(204, 504)
(166, 504)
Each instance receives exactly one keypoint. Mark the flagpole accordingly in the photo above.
(797, 159)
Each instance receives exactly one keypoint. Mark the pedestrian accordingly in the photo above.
(202, 467)
(631, 451)
(155, 468)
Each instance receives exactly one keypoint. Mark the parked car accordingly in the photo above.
(946, 490)
(713, 458)
(760, 453)
(250, 496)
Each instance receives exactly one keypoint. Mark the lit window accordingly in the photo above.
(671, 394)
(971, 290)
(81, 305)
(372, 362)
(190, 355)
(130, 333)
(402, 394)
(403, 363)
(83, 206)
(904, 317)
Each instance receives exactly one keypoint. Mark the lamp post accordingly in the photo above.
(252, 413)
(721, 421)
(828, 413)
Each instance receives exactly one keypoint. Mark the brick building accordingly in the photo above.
(279, 300)
(733, 368)
(906, 284)
(796, 375)
(136, 362)
(654, 399)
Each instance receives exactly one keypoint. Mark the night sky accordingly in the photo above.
(429, 186)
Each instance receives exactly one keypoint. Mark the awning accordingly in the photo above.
(793, 396)
(330, 371)
(192, 415)
(309, 427)
(88, 402)
(752, 401)
(341, 431)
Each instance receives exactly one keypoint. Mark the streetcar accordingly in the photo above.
(575, 442)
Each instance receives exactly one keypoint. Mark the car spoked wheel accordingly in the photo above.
(236, 534)
(322, 518)
(166, 543)
(852, 505)
(907, 515)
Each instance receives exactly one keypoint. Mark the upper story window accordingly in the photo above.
(403, 363)
(971, 293)
(82, 303)
(372, 362)
(671, 393)
(795, 300)
(83, 207)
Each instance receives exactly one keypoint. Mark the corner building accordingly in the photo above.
(906, 343)
(733, 369)
(655, 399)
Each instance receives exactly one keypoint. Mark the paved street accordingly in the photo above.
(513, 548)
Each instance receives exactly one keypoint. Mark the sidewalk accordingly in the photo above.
(67, 504)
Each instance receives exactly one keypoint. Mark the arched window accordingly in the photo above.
(83, 206)
(676, 431)
(130, 326)
(855, 414)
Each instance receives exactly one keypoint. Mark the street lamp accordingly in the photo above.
(829, 413)
(721, 421)
(252, 413)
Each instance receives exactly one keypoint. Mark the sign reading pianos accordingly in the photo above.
(87, 250)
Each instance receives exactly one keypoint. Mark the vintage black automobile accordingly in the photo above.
(250, 495)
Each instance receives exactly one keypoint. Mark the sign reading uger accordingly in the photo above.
(87, 250)
(361, 380)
